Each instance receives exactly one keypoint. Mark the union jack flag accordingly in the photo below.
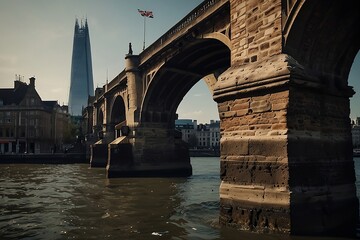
(148, 14)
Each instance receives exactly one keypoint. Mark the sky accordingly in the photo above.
(36, 38)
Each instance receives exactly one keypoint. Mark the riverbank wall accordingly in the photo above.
(56, 158)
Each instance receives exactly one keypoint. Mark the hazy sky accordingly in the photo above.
(36, 38)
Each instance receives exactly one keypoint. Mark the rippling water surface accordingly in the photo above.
(76, 202)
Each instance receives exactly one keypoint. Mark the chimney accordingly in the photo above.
(17, 81)
(32, 81)
(16, 84)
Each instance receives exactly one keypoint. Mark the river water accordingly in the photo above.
(76, 202)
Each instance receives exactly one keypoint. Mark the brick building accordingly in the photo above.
(29, 124)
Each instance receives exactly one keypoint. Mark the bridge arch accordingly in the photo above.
(118, 114)
(201, 58)
(218, 36)
(325, 43)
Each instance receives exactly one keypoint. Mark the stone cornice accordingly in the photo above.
(278, 71)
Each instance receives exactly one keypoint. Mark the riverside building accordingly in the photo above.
(29, 124)
(355, 132)
(201, 136)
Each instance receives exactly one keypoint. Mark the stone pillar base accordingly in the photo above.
(99, 155)
(138, 160)
(286, 155)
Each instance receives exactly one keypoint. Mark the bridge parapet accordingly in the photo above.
(116, 80)
(202, 11)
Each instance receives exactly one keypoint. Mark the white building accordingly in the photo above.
(355, 131)
(199, 135)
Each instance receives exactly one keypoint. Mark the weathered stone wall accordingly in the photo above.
(254, 164)
(286, 158)
(255, 30)
(321, 168)
(152, 152)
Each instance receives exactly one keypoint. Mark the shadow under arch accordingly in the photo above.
(194, 61)
(118, 115)
(327, 42)
(100, 117)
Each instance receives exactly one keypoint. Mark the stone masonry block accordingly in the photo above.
(240, 106)
(279, 95)
(234, 146)
(268, 146)
(260, 106)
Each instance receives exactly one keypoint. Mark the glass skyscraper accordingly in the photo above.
(81, 85)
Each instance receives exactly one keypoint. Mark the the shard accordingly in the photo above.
(81, 85)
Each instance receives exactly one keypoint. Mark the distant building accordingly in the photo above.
(28, 124)
(355, 131)
(81, 82)
(187, 127)
(206, 136)
(214, 133)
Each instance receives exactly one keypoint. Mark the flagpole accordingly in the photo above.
(144, 32)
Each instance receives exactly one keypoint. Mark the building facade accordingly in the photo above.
(187, 127)
(355, 131)
(200, 136)
(28, 124)
(81, 82)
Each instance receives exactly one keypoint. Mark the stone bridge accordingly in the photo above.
(278, 70)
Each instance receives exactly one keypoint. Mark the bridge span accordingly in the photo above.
(278, 71)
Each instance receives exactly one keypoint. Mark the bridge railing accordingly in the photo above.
(179, 28)
(116, 80)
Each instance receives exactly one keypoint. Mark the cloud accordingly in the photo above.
(192, 113)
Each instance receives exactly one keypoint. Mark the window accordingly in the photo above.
(31, 133)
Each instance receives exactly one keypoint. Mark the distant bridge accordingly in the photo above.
(278, 70)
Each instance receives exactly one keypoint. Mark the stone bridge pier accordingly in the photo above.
(156, 151)
(286, 152)
(286, 148)
(150, 147)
